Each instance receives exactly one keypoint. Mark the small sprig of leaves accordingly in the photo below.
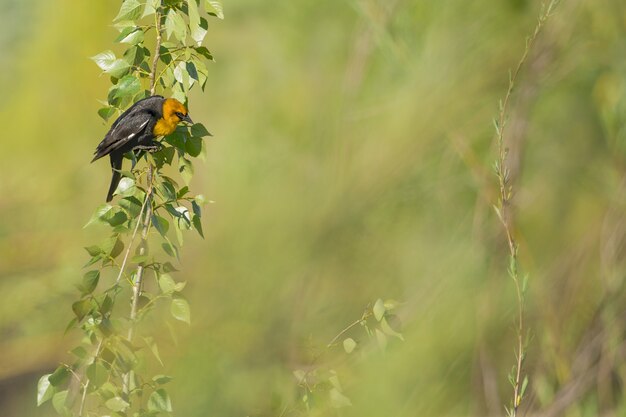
(319, 384)
(181, 51)
(517, 379)
(109, 372)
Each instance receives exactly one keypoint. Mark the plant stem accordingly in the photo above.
(138, 279)
(503, 209)
(157, 49)
(364, 317)
(130, 244)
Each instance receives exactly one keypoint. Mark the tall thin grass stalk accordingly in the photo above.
(517, 377)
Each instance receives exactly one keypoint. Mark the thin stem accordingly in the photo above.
(503, 207)
(364, 317)
(138, 279)
(157, 48)
(86, 384)
(130, 244)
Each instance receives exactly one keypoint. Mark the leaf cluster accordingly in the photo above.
(109, 372)
(320, 384)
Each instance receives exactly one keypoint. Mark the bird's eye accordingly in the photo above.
(180, 115)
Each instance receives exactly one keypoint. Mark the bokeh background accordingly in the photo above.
(351, 160)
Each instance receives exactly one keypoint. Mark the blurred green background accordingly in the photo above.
(351, 160)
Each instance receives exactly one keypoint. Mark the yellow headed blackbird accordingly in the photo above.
(136, 129)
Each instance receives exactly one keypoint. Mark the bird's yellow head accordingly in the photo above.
(173, 113)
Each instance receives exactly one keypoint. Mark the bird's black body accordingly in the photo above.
(134, 129)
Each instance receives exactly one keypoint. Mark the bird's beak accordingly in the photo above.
(187, 119)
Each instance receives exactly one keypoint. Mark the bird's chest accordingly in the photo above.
(164, 127)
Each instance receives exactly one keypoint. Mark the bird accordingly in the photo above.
(136, 129)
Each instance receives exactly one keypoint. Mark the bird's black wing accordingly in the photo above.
(152, 104)
(118, 137)
(130, 125)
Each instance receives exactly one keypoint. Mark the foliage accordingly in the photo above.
(517, 379)
(320, 388)
(333, 189)
(110, 369)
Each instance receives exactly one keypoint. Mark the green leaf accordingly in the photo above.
(181, 193)
(45, 390)
(153, 348)
(170, 249)
(104, 60)
(160, 224)
(151, 6)
(386, 328)
(193, 73)
(134, 55)
(193, 146)
(116, 404)
(106, 112)
(106, 305)
(199, 199)
(132, 205)
(197, 31)
(116, 219)
(128, 85)
(94, 250)
(179, 72)
(175, 24)
(81, 308)
(113, 246)
(379, 310)
(90, 282)
(204, 52)
(524, 386)
(214, 8)
(391, 304)
(126, 186)
(168, 267)
(164, 54)
(349, 344)
(203, 72)
(159, 401)
(167, 190)
(197, 224)
(126, 354)
(130, 10)
(177, 140)
(178, 94)
(80, 352)
(70, 325)
(118, 68)
(164, 156)
(166, 283)
(161, 379)
(180, 310)
(98, 215)
(58, 402)
(186, 170)
(131, 36)
(198, 130)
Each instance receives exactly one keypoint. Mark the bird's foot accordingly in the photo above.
(148, 148)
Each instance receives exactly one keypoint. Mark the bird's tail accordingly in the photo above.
(116, 165)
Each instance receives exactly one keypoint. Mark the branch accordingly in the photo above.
(502, 209)
(138, 280)
(157, 49)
